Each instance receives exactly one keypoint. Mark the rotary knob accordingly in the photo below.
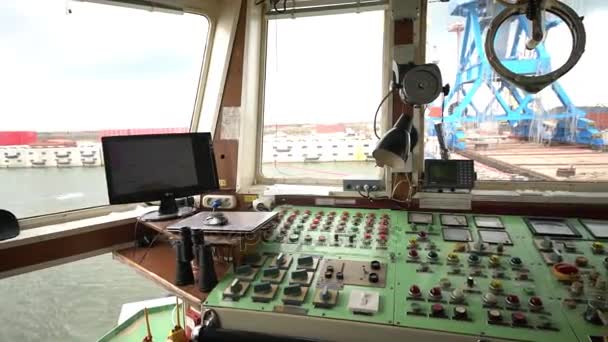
(413, 254)
(494, 316)
(437, 310)
(516, 262)
(576, 289)
(494, 261)
(496, 286)
(597, 247)
(470, 282)
(500, 248)
(512, 301)
(435, 293)
(452, 258)
(415, 291)
(535, 303)
(457, 296)
(519, 318)
(473, 259)
(373, 278)
(460, 312)
(489, 299)
(581, 261)
(375, 265)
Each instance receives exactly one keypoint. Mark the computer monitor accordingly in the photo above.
(144, 168)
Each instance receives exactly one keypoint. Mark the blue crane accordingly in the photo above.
(519, 109)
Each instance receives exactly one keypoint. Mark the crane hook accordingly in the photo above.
(533, 10)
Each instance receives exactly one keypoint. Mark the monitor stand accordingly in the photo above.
(168, 210)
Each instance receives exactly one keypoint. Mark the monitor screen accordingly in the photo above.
(148, 167)
(446, 173)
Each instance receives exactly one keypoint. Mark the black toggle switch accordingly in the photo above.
(373, 278)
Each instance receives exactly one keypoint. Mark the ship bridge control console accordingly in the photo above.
(358, 275)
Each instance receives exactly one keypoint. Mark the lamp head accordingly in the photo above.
(394, 147)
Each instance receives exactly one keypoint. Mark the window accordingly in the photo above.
(90, 292)
(71, 75)
(558, 135)
(323, 83)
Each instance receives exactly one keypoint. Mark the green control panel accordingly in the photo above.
(503, 277)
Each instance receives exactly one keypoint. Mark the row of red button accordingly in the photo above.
(510, 299)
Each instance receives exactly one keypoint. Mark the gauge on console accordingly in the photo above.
(495, 237)
(551, 227)
(597, 228)
(489, 222)
(420, 218)
(454, 220)
(457, 235)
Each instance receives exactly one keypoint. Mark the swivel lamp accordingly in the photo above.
(417, 85)
(396, 144)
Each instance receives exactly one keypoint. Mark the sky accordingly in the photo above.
(100, 67)
(106, 67)
(325, 69)
(584, 84)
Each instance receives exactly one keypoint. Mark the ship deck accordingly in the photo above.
(537, 162)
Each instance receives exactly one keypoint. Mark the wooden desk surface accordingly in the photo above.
(159, 266)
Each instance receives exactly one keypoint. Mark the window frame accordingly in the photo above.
(259, 178)
(212, 12)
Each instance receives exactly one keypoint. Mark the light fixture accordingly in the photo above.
(418, 85)
(394, 147)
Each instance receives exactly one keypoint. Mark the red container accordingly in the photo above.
(18, 138)
(600, 118)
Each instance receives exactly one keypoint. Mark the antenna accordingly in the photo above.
(148, 337)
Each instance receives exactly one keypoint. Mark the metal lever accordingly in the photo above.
(534, 11)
